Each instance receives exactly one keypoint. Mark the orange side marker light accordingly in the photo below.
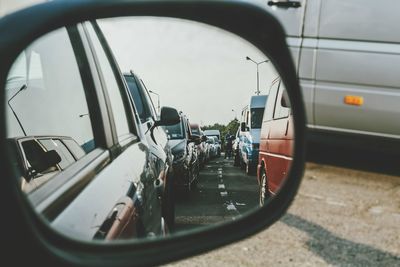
(354, 100)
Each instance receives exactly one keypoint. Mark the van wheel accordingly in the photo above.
(264, 192)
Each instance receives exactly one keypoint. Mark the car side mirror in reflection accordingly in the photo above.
(203, 138)
(49, 159)
(168, 116)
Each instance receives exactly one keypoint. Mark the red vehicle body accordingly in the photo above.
(276, 142)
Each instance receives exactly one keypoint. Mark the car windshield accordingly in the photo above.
(174, 131)
(195, 131)
(256, 117)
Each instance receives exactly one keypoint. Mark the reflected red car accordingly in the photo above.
(276, 142)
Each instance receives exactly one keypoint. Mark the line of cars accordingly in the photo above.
(264, 141)
(91, 153)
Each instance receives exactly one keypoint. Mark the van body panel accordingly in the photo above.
(367, 20)
(379, 114)
(348, 48)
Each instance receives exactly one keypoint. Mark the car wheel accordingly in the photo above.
(236, 160)
(164, 228)
(169, 205)
(264, 192)
(242, 165)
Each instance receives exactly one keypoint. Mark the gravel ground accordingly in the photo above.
(341, 217)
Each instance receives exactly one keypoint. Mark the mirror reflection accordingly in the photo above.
(142, 127)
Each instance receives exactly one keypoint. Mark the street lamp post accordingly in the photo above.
(158, 101)
(234, 112)
(258, 75)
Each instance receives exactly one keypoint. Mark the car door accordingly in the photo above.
(62, 96)
(153, 137)
(301, 25)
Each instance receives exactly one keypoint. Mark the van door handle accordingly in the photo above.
(285, 4)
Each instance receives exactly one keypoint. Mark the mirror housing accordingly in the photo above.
(241, 18)
(168, 116)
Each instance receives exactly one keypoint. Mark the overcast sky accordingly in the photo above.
(195, 68)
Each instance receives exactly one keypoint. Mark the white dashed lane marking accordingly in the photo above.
(230, 206)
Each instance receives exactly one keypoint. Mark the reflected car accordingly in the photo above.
(202, 147)
(157, 141)
(212, 148)
(39, 158)
(217, 135)
(107, 169)
(235, 149)
(183, 146)
(276, 142)
(250, 128)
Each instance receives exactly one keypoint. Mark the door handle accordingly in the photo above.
(287, 128)
(285, 4)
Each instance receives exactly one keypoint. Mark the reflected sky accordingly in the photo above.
(195, 68)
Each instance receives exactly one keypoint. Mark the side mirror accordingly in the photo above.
(168, 116)
(195, 138)
(49, 159)
(203, 138)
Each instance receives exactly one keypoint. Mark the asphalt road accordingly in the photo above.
(223, 192)
(347, 213)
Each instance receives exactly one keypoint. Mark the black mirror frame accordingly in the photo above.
(41, 244)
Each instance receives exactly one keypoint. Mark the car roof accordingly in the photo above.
(258, 101)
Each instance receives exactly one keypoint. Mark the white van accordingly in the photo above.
(249, 136)
(347, 54)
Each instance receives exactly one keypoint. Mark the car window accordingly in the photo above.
(280, 111)
(174, 131)
(256, 117)
(195, 131)
(48, 99)
(137, 97)
(149, 100)
(54, 144)
(113, 89)
(74, 147)
(270, 105)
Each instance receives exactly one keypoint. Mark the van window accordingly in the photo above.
(280, 111)
(256, 117)
(270, 105)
